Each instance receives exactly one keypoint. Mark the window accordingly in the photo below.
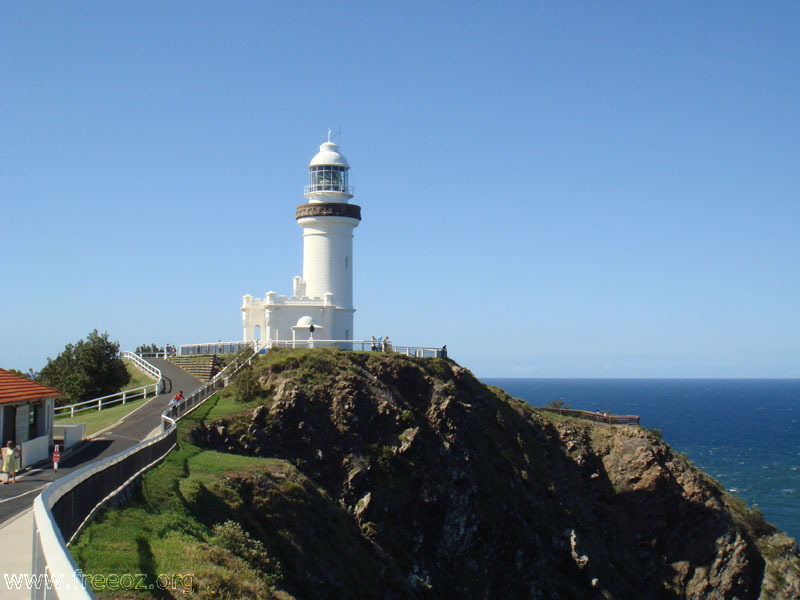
(33, 421)
(328, 178)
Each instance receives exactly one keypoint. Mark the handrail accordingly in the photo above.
(364, 345)
(597, 417)
(123, 396)
(67, 504)
(102, 402)
(142, 364)
(214, 348)
(53, 568)
(180, 409)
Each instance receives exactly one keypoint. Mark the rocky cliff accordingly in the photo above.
(411, 479)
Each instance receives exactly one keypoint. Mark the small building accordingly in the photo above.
(26, 415)
(321, 304)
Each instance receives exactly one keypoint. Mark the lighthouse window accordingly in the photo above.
(328, 178)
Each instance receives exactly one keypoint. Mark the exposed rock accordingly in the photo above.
(460, 491)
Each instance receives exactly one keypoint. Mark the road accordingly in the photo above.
(17, 497)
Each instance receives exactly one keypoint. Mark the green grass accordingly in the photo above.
(100, 419)
(138, 379)
(169, 527)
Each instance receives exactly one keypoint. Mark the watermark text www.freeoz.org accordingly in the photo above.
(98, 581)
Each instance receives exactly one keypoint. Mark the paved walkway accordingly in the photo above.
(16, 500)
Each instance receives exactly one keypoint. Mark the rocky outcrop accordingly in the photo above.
(457, 490)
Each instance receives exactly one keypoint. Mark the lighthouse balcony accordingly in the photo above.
(328, 187)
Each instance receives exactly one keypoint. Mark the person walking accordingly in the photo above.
(176, 399)
(11, 456)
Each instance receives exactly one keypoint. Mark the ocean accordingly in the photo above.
(743, 432)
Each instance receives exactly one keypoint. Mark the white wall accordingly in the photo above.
(279, 318)
(328, 258)
(35, 450)
(72, 434)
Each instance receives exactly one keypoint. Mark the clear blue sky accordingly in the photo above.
(551, 189)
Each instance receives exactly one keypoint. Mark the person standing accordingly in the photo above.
(11, 456)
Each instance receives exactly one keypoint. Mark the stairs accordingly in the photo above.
(204, 367)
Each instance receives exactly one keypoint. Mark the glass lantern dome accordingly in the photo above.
(328, 172)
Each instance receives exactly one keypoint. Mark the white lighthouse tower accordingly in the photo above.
(321, 304)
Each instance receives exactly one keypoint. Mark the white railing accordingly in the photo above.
(106, 401)
(51, 559)
(328, 187)
(364, 345)
(214, 348)
(144, 366)
(179, 410)
(123, 397)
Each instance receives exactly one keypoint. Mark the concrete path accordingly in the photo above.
(17, 536)
(16, 499)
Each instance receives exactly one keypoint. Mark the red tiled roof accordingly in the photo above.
(15, 388)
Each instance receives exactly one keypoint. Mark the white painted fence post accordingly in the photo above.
(124, 397)
(99, 404)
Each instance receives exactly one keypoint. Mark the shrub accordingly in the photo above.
(232, 537)
(244, 384)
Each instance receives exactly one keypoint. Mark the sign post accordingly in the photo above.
(56, 456)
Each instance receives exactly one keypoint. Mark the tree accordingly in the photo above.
(88, 369)
(21, 374)
(148, 349)
(558, 403)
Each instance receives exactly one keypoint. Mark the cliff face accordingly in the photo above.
(416, 480)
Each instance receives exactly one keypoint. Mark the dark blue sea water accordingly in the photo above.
(744, 432)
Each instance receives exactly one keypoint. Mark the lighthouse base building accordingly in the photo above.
(321, 305)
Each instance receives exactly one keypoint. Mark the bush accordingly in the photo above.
(237, 541)
(244, 384)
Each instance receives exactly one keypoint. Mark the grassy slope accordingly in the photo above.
(138, 379)
(159, 532)
(168, 527)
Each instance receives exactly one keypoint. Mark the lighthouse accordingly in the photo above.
(321, 304)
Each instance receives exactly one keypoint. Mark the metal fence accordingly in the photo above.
(214, 348)
(66, 505)
(597, 417)
(364, 346)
